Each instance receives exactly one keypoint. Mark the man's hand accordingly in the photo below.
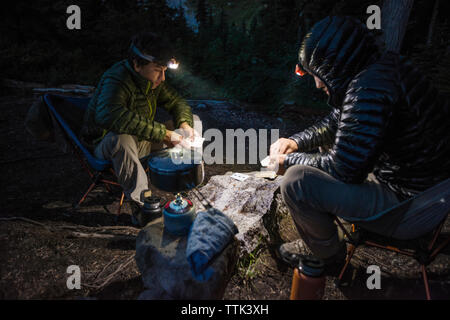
(172, 138)
(191, 138)
(277, 164)
(188, 131)
(283, 146)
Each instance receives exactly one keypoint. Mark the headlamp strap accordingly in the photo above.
(142, 55)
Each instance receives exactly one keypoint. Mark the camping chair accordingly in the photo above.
(69, 112)
(431, 206)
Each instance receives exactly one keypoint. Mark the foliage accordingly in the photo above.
(244, 50)
(247, 265)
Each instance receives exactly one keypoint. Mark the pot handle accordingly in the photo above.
(205, 202)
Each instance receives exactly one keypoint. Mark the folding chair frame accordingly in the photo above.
(97, 179)
(423, 256)
(95, 175)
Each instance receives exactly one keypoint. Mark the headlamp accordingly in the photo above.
(171, 64)
(299, 71)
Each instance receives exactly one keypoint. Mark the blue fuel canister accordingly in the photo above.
(179, 214)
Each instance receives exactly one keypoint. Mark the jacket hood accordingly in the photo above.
(336, 50)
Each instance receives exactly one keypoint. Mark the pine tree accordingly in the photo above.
(202, 16)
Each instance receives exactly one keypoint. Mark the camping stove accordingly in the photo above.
(178, 215)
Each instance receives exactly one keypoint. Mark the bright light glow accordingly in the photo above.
(172, 64)
(299, 71)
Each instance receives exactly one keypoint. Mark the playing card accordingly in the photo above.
(188, 144)
(266, 174)
(266, 161)
(197, 143)
(239, 176)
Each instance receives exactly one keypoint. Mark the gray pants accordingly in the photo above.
(125, 152)
(314, 198)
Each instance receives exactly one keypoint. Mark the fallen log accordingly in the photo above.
(39, 88)
(61, 90)
(102, 236)
(10, 83)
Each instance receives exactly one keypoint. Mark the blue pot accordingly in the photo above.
(174, 171)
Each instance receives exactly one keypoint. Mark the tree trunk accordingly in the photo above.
(394, 19)
(432, 23)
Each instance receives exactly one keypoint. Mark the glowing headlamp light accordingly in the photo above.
(299, 71)
(172, 64)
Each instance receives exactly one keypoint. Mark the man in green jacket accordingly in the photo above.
(119, 123)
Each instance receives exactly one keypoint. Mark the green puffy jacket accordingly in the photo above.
(124, 103)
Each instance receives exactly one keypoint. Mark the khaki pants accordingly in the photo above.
(126, 152)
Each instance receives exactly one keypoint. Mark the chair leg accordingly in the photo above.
(120, 203)
(440, 247)
(86, 194)
(108, 188)
(425, 281)
(436, 234)
(341, 226)
(83, 162)
(95, 180)
(351, 251)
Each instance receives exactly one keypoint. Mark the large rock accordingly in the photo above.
(256, 208)
(246, 202)
(161, 259)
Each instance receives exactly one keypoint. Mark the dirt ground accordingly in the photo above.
(40, 183)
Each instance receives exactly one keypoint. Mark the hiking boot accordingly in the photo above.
(291, 252)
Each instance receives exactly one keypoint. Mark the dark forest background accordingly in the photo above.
(242, 50)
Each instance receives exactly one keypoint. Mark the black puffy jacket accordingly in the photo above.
(386, 118)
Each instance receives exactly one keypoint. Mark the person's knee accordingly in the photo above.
(123, 142)
(293, 182)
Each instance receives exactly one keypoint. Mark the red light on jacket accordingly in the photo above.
(299, 71)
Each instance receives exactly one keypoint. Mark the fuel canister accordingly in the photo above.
(179, 214)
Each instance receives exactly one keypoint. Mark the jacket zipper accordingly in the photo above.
(147, 97)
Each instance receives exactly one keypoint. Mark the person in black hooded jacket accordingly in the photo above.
(386, 119)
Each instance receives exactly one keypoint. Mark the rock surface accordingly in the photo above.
(161, 259)
(245, 202)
